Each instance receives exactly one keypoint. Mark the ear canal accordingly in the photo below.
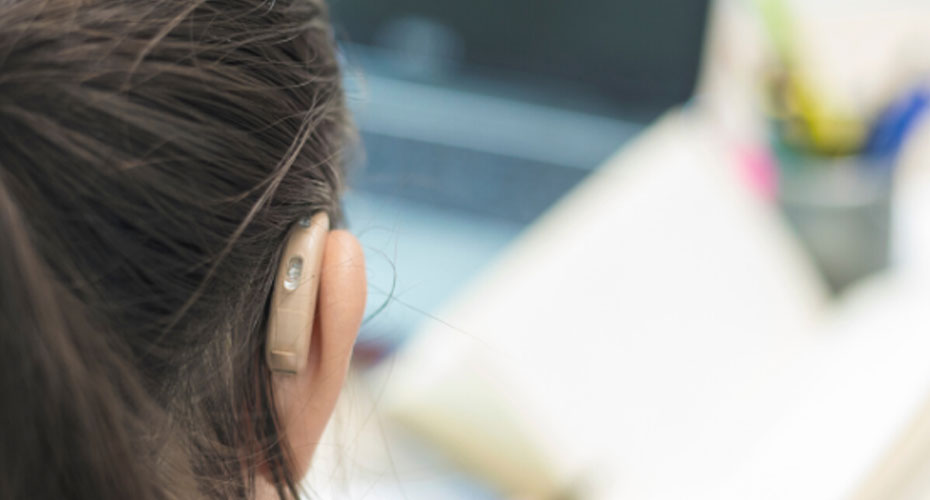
(293, 301)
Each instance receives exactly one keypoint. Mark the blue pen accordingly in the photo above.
(894, 124)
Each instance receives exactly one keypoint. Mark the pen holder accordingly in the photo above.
(840, 208)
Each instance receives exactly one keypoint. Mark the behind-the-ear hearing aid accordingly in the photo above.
(293, 301)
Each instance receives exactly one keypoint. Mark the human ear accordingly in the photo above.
(306, 390)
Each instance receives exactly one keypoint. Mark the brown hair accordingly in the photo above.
(153, 154)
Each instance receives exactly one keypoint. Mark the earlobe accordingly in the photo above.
(306, 399)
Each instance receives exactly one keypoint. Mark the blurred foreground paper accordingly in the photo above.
(617, 316)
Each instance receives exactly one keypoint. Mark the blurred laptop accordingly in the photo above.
(498, 107)
(476, 116)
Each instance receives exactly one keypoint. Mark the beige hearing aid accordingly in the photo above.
(293, 301)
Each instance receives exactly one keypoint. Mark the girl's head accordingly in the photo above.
(154, 157)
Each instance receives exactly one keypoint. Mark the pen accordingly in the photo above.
(893, 125)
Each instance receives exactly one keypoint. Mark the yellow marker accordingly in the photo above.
(829, 129)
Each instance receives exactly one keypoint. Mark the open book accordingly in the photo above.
(659, 334)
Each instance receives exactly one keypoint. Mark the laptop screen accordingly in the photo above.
(631, 54)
